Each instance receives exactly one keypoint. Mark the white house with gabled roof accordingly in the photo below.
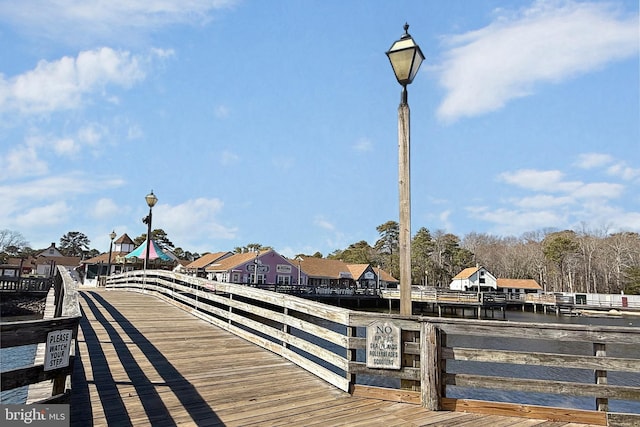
(474, 279)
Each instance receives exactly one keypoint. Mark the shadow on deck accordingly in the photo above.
(142, 361)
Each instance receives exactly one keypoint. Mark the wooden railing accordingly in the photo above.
(66, 316)
(25, 284)
(447, 364)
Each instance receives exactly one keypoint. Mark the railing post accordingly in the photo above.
(600, 350)
(351, 357)
(431, 367)
(409, 360)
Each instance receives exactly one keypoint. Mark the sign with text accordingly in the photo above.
(57, 349)
(383, 345)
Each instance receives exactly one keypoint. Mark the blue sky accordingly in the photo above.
(275, 122)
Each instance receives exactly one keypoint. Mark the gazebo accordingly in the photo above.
(158, 258)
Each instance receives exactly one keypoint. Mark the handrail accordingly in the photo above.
(66, 316)
(25, 284)
(444, 362)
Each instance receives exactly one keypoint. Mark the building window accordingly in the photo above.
(261, 279)
(284, 280)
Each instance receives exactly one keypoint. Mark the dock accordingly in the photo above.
(142, 361)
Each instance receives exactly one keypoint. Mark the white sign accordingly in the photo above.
(283, 268)
(383, 345)
(57, 349)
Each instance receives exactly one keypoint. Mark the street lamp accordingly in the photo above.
(151, 202)
(112, 235)
(405, 57)
(299, 259)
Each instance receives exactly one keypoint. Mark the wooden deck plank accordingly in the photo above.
(145, 362)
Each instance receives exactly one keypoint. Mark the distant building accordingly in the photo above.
(198, 267)
(47, 260)
(526, 286)
(99, 265)
(334, 274)
(256, 268)
(474, 279)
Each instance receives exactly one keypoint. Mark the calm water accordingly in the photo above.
(16, 357)
(522, 371)
(548, 373)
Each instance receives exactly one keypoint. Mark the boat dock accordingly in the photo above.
(161, 348)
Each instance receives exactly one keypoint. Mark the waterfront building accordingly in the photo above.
(332, 275)
(266, 267)
(518, 286)
(198, 267)
(479, 279)
(474, 279)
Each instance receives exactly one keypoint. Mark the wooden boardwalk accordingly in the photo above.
(142, 361)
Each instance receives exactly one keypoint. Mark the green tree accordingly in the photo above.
(558, 248)
(422, 247)
(159, 236)
(632, 280)
(358, 253)
(251, 247)
(387, 247)
(74, 243)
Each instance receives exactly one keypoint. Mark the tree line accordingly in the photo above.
(560, 261)
(581, 260)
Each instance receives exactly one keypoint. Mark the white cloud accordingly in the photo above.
(91, 21)
(191, 221)
(557, 202)
(623, 171)
(531, 179)
(593, 160)
(22, 161)
(514, 221)
(542, 201)
(105, 208)
(323, 223)
(63, 84)
(65, 146)
(363, 144)
(58, 187)
(549, 42)
(444, 218)
(599, 190)
(42, 216)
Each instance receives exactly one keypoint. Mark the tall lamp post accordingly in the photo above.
(151, 202)
(112, 236)
(405, 57)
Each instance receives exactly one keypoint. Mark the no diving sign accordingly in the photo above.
(57, 350)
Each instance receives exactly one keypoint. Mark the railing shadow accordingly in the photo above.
(111, 398)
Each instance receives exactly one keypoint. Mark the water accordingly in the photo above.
(543, 373)
(547, 373)
(17, 357)
(11, 358)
